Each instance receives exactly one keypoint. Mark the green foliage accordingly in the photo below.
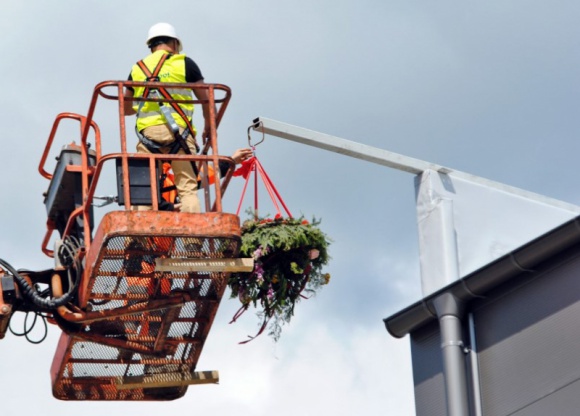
(289, 255)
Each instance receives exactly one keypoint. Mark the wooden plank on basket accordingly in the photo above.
(174, 379)
(204, 265)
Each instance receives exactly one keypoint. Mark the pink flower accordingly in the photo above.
(258, 253)
(259, 273)
(259, 279)
(313, 254)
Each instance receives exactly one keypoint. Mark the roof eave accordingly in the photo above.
(476, 284)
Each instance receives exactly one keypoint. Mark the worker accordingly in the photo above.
(155, 132)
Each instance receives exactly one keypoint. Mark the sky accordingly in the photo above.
(488, 88)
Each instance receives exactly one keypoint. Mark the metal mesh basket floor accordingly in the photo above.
(152, 323)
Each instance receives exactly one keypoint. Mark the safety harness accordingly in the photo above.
(161, 92)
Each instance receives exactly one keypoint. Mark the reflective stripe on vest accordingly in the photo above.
(173, 70)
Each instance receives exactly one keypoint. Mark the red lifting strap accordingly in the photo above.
(254, 165)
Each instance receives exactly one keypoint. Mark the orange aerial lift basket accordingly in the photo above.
(139, 292)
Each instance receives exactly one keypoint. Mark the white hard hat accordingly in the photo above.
(163, 29)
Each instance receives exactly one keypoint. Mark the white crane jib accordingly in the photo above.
(464, 221)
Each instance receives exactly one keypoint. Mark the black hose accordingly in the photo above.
(31, 294)
(28, 328)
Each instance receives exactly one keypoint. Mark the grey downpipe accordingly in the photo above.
(450, 312)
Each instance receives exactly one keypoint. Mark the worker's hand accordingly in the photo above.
(242, 154)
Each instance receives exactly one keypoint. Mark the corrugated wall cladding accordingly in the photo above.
(428, 372)
(528, 344)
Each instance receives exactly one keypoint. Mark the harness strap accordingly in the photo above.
(155, 147)
(155, 75)
(164, 110)
(180, 139)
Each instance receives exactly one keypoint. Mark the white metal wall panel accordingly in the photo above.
(466, 222)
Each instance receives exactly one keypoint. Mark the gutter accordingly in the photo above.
(478, 283)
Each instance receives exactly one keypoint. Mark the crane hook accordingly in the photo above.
(257, 123)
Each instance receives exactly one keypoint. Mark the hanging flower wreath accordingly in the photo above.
(288, 254)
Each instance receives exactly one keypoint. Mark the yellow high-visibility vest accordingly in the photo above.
(173, 70)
